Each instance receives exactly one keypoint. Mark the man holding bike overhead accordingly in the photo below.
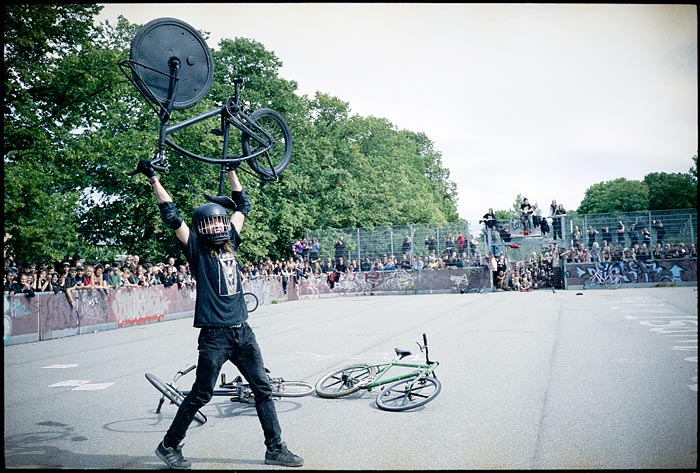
(220, 313)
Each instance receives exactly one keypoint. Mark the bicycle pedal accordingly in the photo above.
(217, 132)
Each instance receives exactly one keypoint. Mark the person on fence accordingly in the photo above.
(526, 213)
(592, 232)
(221, 315)
(339, 247)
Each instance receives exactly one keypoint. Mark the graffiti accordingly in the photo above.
(91, 306)
(371, 282)
(16, 307)
(16, 311)
(657, 271)
(139, 305)
(58, 314)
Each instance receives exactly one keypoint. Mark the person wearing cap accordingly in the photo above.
(70, 282)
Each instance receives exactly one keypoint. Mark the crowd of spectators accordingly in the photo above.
(537, 271)
(72, 273)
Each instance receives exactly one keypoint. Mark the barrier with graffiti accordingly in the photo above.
(668, 271)
(47, 315)
(400, 281)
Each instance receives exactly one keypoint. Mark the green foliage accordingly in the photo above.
(671, 191)
(618, 195)
(75, 127)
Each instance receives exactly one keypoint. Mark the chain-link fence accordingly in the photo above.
(377, 242)
(679, 226)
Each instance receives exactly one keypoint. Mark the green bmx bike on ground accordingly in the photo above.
(415, 387)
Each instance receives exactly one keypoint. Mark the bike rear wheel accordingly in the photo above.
(409, 393)
(251, 301)
(173, 394)
(291, 389)
(343, 381)
(270, 163)
(588, 282)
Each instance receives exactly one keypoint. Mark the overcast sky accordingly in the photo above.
(542, 100)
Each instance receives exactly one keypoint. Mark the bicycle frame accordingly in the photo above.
(421, 369)
(230, 113)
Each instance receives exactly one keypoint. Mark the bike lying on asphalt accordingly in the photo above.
(400, 392)
(237, 390)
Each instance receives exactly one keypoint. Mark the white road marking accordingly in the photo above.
(59, 366)
(92, 387)
(70, 382)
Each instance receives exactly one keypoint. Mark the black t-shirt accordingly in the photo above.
(219, 290)
(489, 219)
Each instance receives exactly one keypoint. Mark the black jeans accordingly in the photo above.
(216, 345)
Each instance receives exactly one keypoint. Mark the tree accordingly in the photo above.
(618, 195)
(671, 191)
(75, 127)
(47, 88)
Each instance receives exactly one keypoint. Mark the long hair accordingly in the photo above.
(214, 250)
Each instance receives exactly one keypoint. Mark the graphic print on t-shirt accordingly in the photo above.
(228, 282)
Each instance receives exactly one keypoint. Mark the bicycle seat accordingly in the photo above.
(402, 353)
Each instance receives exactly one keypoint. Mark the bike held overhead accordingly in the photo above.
(171, 66)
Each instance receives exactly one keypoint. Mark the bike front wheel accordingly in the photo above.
(291, 389)
(251, 301)
(273, 142)
(173, 394)
(343, 381)
(613, 281)
(409, 393)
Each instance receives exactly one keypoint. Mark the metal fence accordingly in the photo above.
(376, 242)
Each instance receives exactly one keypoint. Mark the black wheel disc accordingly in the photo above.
(152, 49)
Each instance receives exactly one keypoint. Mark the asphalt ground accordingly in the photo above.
(597, 379)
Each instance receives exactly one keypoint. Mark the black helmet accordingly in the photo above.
(205, 220)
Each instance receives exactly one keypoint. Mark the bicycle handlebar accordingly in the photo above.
(183, 372)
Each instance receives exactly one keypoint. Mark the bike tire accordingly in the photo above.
(409, 393)
(342, 382)
(173, 394)
(291, 389)
(587, 283)
(613, 281)
(272, 162)
(251, 301)
(514, 224)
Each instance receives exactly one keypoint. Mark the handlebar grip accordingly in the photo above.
(188, 369)
(160, 168)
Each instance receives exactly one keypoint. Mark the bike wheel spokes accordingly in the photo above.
(173, 394)
(408, 393)
(291, 388)
(344, 381)
(273, 149)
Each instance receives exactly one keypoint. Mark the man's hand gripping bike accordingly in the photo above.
(413, 388)
(171, 66)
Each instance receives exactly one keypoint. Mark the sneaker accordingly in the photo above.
(173, 457)
(283, 457)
